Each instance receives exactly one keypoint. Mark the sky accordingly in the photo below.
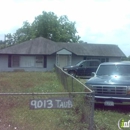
(97, 21)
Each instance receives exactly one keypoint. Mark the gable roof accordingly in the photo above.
(94, 49)
(47, 47)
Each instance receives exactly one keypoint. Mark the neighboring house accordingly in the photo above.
(41, 54)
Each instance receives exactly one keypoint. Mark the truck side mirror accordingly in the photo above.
(81, 65)
(93, 74)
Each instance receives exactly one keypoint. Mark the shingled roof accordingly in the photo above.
(94, 49)
(47, 47)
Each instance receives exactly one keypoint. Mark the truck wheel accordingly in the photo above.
(72, 73)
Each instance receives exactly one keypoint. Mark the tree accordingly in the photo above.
(47, 25)
(126, 58)
(9, 39)
(81, 41)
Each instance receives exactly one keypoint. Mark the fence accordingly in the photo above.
(68, 110)
(84, 96)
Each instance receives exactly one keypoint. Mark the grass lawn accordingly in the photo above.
(15, 112)
(14, 109)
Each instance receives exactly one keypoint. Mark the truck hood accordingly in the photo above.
(113, 79)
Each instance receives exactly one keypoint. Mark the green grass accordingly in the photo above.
(15, 112)
(106, 118)
(14, 109)
(29, 82)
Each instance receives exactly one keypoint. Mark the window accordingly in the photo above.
(85, 64)
(94, 63)
(15, 61)
(39, 61)
(28, 61)
(107, 70)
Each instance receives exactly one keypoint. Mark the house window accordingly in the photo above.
(28, 61)
(39, 61)
(15, 61)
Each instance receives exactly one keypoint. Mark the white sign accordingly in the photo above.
(61, 103)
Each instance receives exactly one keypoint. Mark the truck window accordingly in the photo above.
(94, 63)
(83, 64)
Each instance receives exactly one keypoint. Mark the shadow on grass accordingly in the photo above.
(118, 108)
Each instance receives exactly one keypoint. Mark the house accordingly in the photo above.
(41, 54)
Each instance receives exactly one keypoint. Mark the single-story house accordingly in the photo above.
(41, 54)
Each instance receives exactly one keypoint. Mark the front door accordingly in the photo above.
(63, 60)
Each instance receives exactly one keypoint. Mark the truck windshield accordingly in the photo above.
(113, 70)
(78, 64)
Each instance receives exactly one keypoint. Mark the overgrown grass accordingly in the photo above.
(15, 112)
(29, 82)
(106, 118)
(14, 109)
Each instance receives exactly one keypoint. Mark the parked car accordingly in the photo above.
(83, 68)
(111, 83)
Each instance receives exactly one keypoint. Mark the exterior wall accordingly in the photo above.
(76, 59)
(51, 60)
(114, 59)
(3, 62)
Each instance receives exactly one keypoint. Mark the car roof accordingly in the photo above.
(116, 63)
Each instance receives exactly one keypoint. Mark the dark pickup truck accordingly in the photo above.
(111, 83)
(83, 68)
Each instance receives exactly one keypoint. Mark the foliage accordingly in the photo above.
(126, 58)
(47, 25)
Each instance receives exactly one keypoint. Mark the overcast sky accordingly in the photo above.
(97, 21)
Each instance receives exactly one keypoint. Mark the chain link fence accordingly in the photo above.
(71, 109)
(84, 96)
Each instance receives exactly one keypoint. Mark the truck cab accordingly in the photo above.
(83, 68)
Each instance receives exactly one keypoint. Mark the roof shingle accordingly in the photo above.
(47, 47)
